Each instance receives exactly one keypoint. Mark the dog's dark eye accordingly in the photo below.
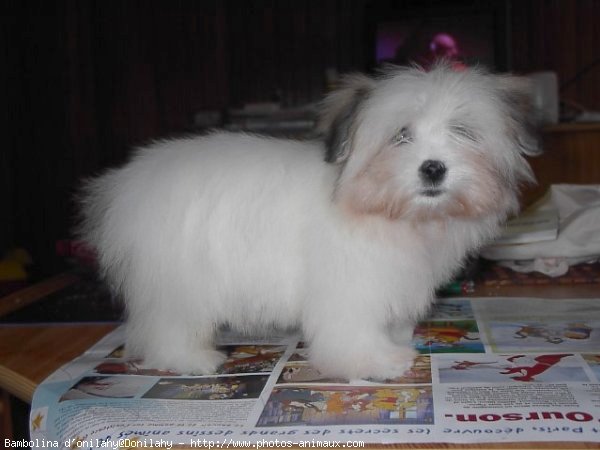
(464, 132)
(404, 136)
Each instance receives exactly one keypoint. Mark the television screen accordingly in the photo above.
(463, 39)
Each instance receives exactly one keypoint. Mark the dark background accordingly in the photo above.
(82, 81)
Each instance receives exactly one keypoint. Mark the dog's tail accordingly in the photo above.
(97, 210)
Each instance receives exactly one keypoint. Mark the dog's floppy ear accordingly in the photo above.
(517, 94)
(337, 118)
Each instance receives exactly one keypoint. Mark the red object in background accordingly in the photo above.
(444, 46)
(77, 250)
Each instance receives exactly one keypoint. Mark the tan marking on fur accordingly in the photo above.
(371, 191)
(488, 194)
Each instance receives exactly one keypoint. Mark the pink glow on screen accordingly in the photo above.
(461, 39)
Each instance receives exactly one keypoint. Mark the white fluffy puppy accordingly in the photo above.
(346, 238)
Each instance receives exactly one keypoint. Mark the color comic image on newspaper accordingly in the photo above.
(488, 370)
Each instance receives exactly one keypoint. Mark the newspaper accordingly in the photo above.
(489, 370)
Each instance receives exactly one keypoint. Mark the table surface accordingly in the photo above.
(31, 352)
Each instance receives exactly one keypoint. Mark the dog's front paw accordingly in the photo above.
(197, 362)
(390, 364)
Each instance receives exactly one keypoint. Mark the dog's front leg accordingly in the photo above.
(401, 332)
(357, 346)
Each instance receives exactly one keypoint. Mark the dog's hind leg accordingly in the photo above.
(167, 344)
(167, 325)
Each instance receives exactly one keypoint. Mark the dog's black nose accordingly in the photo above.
(432, 171)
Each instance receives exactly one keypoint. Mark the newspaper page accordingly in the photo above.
(488, 371)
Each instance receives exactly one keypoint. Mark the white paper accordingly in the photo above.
(490, 371)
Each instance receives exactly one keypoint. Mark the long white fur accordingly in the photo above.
(252, 231)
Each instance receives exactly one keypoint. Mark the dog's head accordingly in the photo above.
(429, 144)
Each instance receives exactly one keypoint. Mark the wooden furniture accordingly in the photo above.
(571, 155)
(29, 353)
